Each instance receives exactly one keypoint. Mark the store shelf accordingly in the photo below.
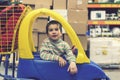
(95, 22)
(92, 5)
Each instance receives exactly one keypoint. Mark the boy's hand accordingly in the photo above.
(62, 62)
(72, 68)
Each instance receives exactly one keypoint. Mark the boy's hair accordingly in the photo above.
(53, 22)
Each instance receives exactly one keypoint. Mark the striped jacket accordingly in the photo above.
(51, 50)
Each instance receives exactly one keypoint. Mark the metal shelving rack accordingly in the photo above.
(109, 7)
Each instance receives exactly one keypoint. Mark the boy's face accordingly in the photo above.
(54, 32)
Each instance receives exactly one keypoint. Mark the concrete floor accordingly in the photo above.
(113, 74)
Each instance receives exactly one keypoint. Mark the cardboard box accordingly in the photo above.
(41, 2)
(28, 1)
(79, 28)
(38, 6)
(62, 12)
(59, 4)
(105, 50)
(77, 4)
(82, 38)
(35, 38)
(44, 2)
(78, 16)
(39, 24)
(42, 36)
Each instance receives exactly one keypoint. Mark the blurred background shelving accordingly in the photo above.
(104, 30)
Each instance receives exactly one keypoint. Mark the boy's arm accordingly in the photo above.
(72, 60)
(69, 54)
(45, 53)
(48, 56)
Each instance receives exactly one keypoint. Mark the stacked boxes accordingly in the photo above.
(40, 22)
(35, 38)
(41, 38)
(77, 4)
(74, 11)
(78, 17)
(59, 4)
(38, 3)
(82, 38)
(39, 25)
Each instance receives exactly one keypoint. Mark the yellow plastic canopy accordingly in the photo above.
(26, 44)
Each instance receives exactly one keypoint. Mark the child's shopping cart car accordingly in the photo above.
(32, 67)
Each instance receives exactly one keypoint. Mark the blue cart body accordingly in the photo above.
(39, 69)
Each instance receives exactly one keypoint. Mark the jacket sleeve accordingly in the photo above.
(69, 54)
(46, 54)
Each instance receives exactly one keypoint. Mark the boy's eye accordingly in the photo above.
(50, 29)
(56, 29)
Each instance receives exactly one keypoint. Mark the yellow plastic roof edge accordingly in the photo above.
(21, 41)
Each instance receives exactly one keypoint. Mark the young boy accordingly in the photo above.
(53, 48)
